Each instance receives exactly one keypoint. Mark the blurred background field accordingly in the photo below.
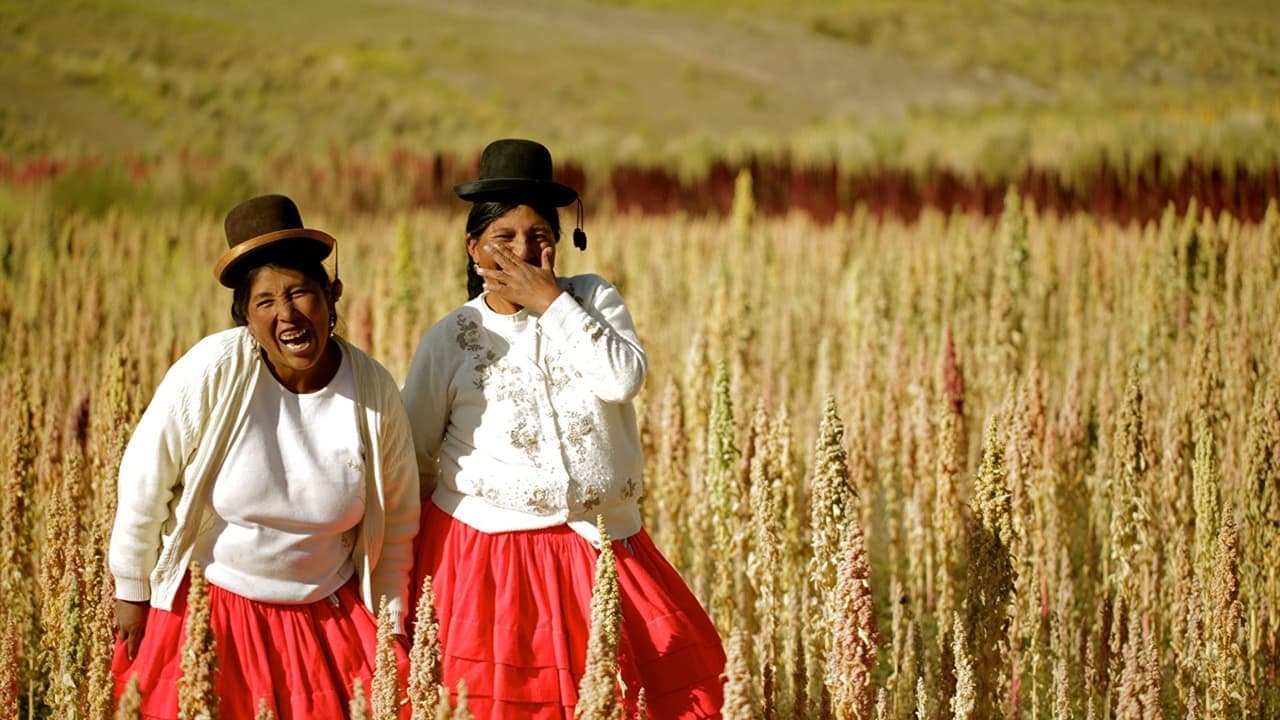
(203, 97)
(961, 317)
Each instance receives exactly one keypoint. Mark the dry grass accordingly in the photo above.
(1057, 439)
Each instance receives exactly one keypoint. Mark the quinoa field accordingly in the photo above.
(963, 333)
(963, 467)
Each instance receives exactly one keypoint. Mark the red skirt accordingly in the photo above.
(515, 615)
(301, 658)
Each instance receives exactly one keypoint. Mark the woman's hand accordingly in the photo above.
(131, 622)
(516, 281)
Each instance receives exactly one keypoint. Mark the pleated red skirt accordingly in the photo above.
(515, 615)
(301, 658)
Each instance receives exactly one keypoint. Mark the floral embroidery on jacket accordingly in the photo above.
(590, 497)
(468, 338)
(576, 431)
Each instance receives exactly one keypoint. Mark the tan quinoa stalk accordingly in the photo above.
(699, 378)
(855, 634)
(1006, 338)
(924, 704)
(1090, 672)
(1131, 534)
(829, 514)
(1185, 624)
(358, 707)
(61, 600)
(99, 621)
(1062, 671)
(1207, 480)
(460, 711)
(902, 658)
(919, 463)
(1139, 697)
(17, 498)
(948, 523)
(788, 494)
(112, 421)
(130, 706)
(1206, 374)
(1152, 676)
(1262, 514)
(721, 475)
(197, 699)
(865, 478)
(875, 450)
(425, 671)
(964, 704)
(1024, 442)
(752, 460)
(598, 692)
(739, 684)
(763, 568)
(1176, 491)
(990, 580)
(669, 489)
(385, 684)
(882, 705)
(10, 646)
(1129, 702)
(799, 677)
(1227, 687)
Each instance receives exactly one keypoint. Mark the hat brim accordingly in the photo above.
(300, 242)
(516, 189)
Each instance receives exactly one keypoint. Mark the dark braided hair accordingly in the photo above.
(484, 213)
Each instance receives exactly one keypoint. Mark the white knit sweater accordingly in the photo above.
(524, 421)
(177, 448)
(289, 495)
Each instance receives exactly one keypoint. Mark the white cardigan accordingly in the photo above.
(177, 448)
(526, 421)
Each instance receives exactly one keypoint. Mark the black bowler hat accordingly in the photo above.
(513, 170)
(264, 227)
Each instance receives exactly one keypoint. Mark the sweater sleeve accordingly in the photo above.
(150, 472)
(400, 488)
(600, 339)
(426, 396)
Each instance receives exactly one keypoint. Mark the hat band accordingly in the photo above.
(239, 250)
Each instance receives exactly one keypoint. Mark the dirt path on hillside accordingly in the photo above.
(783, 58)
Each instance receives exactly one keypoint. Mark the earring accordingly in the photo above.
(333, 322)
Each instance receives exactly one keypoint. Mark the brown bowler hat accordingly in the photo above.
(263, 227)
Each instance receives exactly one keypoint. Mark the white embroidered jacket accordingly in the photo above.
(524, 421)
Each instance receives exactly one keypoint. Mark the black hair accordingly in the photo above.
(484, 213)
(312, 269)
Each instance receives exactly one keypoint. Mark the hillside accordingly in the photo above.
(965, 85)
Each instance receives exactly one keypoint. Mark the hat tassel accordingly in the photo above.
(579, 235)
